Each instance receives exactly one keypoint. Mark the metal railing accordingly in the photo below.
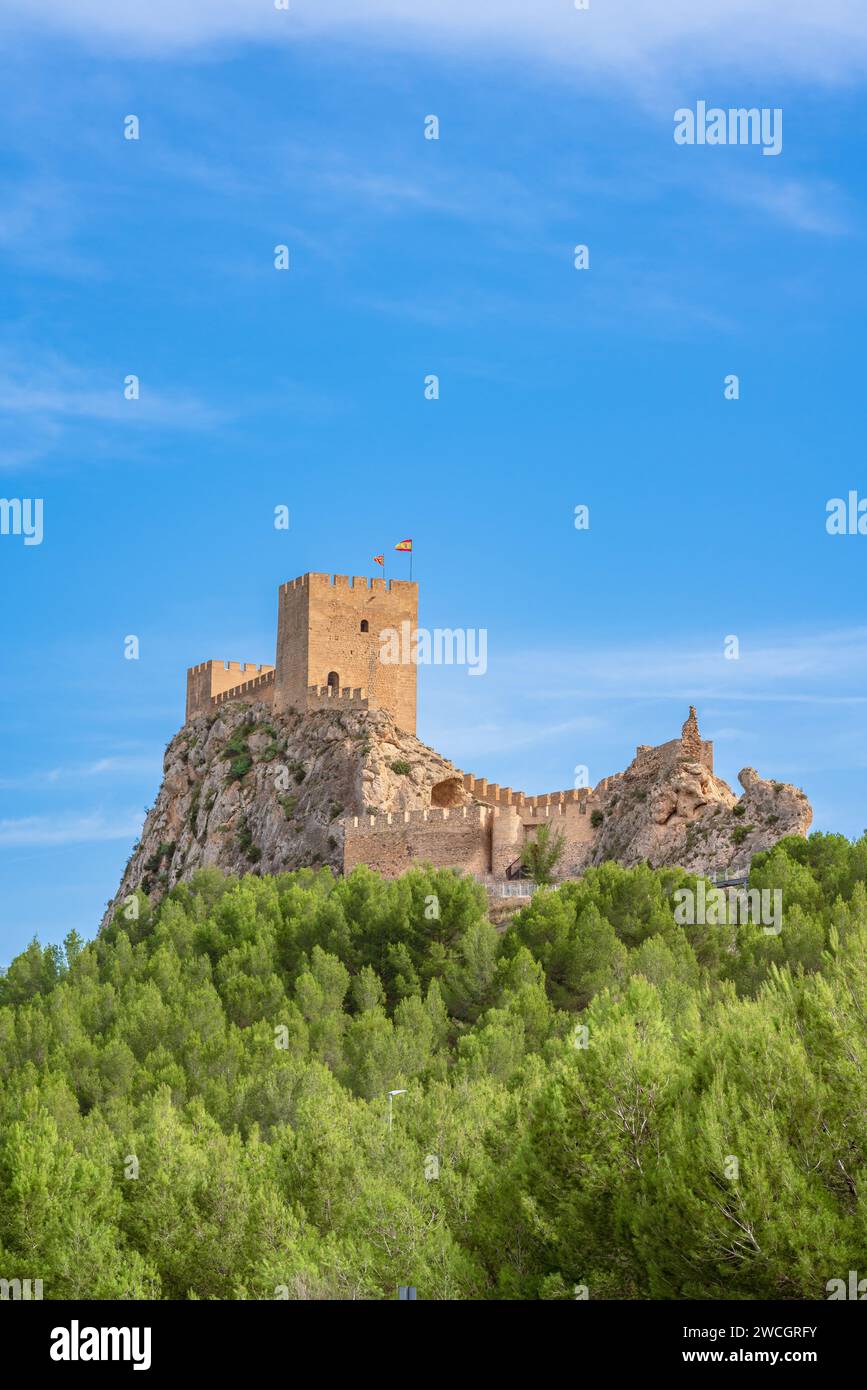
(735, 877)
(507, 888)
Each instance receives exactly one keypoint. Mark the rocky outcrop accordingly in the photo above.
(668, 807)
(247, 790)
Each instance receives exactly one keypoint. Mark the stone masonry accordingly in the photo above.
(329, 638)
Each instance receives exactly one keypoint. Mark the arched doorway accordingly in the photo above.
(334, 682)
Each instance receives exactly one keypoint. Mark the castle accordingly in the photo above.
(483, 828)
(329, 636)
(328, 647)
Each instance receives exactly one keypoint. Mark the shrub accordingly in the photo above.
(238, 742)
(541, 855)
(245, 842)
(240, 767)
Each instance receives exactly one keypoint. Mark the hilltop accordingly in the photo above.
(248, 789)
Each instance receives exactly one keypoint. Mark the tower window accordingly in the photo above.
(365, 626)
(333, 680)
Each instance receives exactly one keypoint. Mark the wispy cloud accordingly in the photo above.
(44, 403)
(27, 206)
(816, 206)
(821, 668)
(635, 38)
(59, 390)
(68, 829)
(475, 742)
(120, 766)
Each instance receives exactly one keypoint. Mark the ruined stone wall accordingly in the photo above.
(320, 632)
(650, 759)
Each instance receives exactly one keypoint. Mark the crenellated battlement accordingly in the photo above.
(468, 815)
(347, 582)
(214, 682)
(456, 815)
(495, 795)
(259, 688)
(320, 696)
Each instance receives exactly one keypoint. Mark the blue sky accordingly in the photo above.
(305, 388)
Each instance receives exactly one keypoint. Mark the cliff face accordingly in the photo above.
(246, 789)
(669, 808)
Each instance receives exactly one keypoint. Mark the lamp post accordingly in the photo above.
(391, 1096)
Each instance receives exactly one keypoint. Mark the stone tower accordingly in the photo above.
(328, 636)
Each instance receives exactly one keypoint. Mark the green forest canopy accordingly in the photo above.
(596, 1099)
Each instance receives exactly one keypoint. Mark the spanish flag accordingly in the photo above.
(403, 545)
(379, 560)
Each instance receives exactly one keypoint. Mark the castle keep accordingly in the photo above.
(328, 645)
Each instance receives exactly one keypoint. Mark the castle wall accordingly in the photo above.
(293, 608)
(319, 631)
(507, 840)
(446, 837)
(212, 678)
(518, 817)
(326, 697)
(474, 839)
(258, 691)
(573, 822)
(495, 795)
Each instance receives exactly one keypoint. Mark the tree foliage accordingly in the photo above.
(542, 854)
(194, 1104)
